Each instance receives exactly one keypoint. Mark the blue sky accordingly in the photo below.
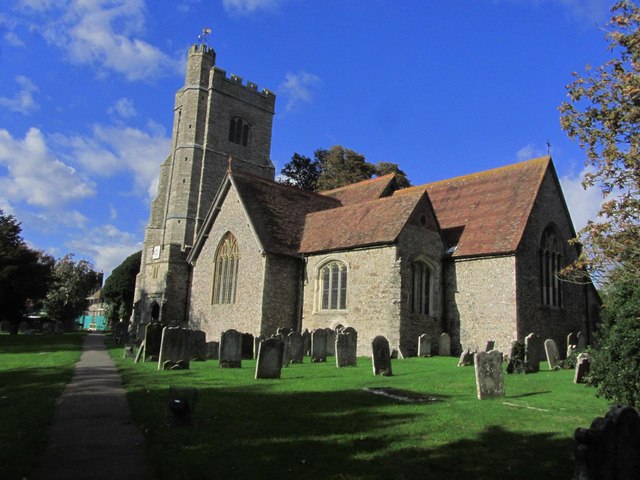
(441, 87)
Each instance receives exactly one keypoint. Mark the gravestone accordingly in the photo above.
(294, 341)
(175, 349)
(256, 345)
(551, 350)
(444, 345)
(230, 355)
(489, 379)
(331, 341)
(571, 349)
(490, 345)
(212, 350)
(247, 346)
(198, 345)
(572, 343)
(269, 364)
(381, 356)
(532, 353)
(306, 342)
(129, 351)
(610, 448)
(36, 326)
(581, 342)
(466, 358)
(152, 340)
(120, 333)
(58, 328)
(319, 345)
(23, 327)
(516, 358)
(286, 352)
(346, 347)
(424, 346)
(583, 366)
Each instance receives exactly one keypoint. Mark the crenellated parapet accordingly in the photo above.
(220, 81)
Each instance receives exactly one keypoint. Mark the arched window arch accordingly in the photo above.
(239, 131)
(550, 265)
(421, 278)
(225, 277)
(333, 286)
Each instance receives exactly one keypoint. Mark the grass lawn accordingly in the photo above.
(33, 372)
(318, 422)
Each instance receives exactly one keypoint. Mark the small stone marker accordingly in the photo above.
(424, 346)
(489, 379)
(269, 364)
(581, 342)
(553, 356)
(491, 344)
(175, 349)
(444, 345)
(583, 366)
(532, 353)
(198, 340)
(572, 343)
(381, 356)
(213, 349)
(466, 358)
(230, 349)
(346, 348)
(294, 340)
(152, 340)
(247, 346)
(319, 345)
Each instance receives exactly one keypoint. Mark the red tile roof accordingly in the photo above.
(364, 191)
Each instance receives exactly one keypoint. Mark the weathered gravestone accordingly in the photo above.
(444, 345)
(286, 353)
(466, 358)
(489, 379)
(381, 356)
(269, 364)
(583, 366)
(120, 333)
(198, 340)
(610, 448)
(294, 342)
(175, 349)
(572, 343)
(152, 340)
(247, 346)
(424, 346)
(306, 342)
(581, 343)
(331, 341)
(490, 345)
(346, 347)
(212, 350)
(516, 358)
(230, 349)
(256, 345)
(532, 353)
(553, 356)
(319, 345)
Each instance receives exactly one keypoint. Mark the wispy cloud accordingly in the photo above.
(245, 7)
(298, 88)
(22, 101)
(583, 204)
(530, 151)
(124, 108)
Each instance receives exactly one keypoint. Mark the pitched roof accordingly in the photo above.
(486, 212)
(356, 225)
(364, 191)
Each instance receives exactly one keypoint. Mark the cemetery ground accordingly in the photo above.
(319, 422)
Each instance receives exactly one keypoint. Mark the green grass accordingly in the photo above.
(33, 372)
(317, 422)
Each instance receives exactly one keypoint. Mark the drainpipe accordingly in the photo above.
(303, 269)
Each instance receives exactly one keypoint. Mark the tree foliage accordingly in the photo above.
(71, 284)
(302, 172)
(120, 287)
(604, 115)
(24, 273)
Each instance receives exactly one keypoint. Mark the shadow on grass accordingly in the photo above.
(40, 343)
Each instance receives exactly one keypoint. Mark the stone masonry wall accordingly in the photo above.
(281, 293)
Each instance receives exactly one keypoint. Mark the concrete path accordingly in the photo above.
(92, 435)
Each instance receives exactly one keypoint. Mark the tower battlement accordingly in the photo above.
(201, 48)
(220, 76)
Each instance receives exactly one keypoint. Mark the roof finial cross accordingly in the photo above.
(548, 144)
(229, 161)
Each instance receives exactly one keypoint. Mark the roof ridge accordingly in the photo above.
(361, 182)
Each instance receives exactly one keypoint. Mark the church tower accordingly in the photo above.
(215, 117)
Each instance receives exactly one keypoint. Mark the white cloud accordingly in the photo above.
(23, 101)
(35, 175)
(123, 107)
(298, 88)
(529, 151)
(245, 7)
(583, 204)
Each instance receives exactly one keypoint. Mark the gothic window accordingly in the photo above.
(333, 286)
(225, 277)
(239, 131)
(550, 264)
(420, 287)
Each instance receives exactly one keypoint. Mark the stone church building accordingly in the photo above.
(227, 247)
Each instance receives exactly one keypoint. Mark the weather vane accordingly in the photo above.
(203, 36)
(548, 147)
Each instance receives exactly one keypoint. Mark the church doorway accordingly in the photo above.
(155, 312)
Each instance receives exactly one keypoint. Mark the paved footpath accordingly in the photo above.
(92, 436)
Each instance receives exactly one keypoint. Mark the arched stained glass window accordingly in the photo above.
(550, 265)
(225, 277)
(333, 286)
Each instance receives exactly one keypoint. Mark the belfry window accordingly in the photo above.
(550, 264)
(225, 278)
(333, 286)
(239, 131)
(420, 288)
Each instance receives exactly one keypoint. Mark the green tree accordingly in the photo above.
(604, 115)
(302, 172)
(24, 273)
(341, 166)
(72, 283)
(383, 168)
(119, 288)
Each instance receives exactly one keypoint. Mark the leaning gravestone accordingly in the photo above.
(247, 346)
(319, 345)
(346, 347)
(175, 349)
(306, 342)
(294, 341)
(269, 364)
(152, 340)
(198, 340)
(553, 356)
(583, 366)
(444, 345)
(230, 349)
(581, 343)
(489, 379)
(466, 358)
(424, 346)
(212, 350)
(610, 448)
(331, 341)
(532, 353)
(381, 356)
